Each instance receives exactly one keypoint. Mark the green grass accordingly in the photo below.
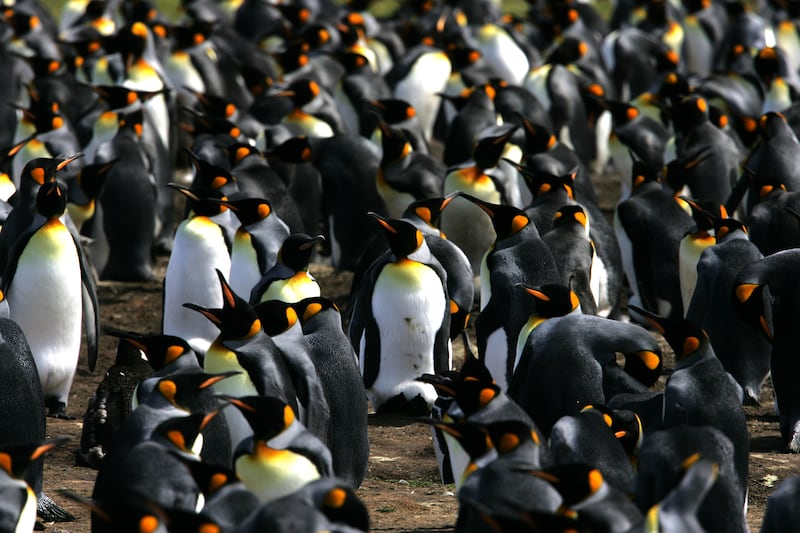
(169, 8)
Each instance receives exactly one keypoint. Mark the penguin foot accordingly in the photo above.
(417, 406)
(49, 511)
(57, 409)
(163, 246)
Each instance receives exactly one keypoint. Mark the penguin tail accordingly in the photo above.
(49, 511)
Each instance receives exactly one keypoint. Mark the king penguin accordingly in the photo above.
(400, 321)
(49, 251)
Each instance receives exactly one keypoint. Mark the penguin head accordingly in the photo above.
(119, 98)
(769, 64)
(571, 214)
(51, 200)
(772, 123)
(508, 435)
(429, 209)
(276, 316)
(550, 300)
(159, 349)
(394, 142)
(16, 458)
(472, 396)
(209, 175)
(402, 236)
(203, 201)
(684, 336)
(294, 150)
(132, 121)
(236, 320)
(392, 110)
(542, 183)
(569, 50)
(575, 482)
(725, 228)
(703, 213)
(239, 151)
(308, 308)
(488, 149)
(626, 426)
(204, 124)
(474, 438)
(296, 250)
(690, 111)
(748, 303)
(42, 114)
(340, 504)
(507, 220)
(181, 388)
(249, 210)
(181, 432)
(268, 416)
(91, 178)
(42, 169)
(302, 92)
(211, 478)
(644, 366)
(642, 174)
(678, 171)
(538, 137)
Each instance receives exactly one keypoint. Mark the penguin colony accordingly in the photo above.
(447, 156)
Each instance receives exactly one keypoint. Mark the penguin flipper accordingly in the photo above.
(698, 306)
(91, 307)
(49, 511)
(13, 259)
(309, 393)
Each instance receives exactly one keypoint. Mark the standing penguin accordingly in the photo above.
(200, 247)
(337, 367)
(766, 296)
(743, 350)
(256, 243)
(650, 225)
(48, 251)
(288, 279)
(400, 322)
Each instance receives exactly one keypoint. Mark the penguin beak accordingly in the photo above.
(312, 242)
(477, 201)
(183, 189)
(383, 222)
(208, 313)
(63, 163)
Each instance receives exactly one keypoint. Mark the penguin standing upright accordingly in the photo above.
(743, 350)
(200, 247)
(400, 322)
(337, 367)
(288, 279)
(48, 251)
(766, 296)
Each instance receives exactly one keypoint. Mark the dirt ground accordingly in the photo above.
(402, 489)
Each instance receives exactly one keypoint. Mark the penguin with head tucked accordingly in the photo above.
(49, 251)
(551, 382)
(699, 391)
(765, 295)
(400, 320)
